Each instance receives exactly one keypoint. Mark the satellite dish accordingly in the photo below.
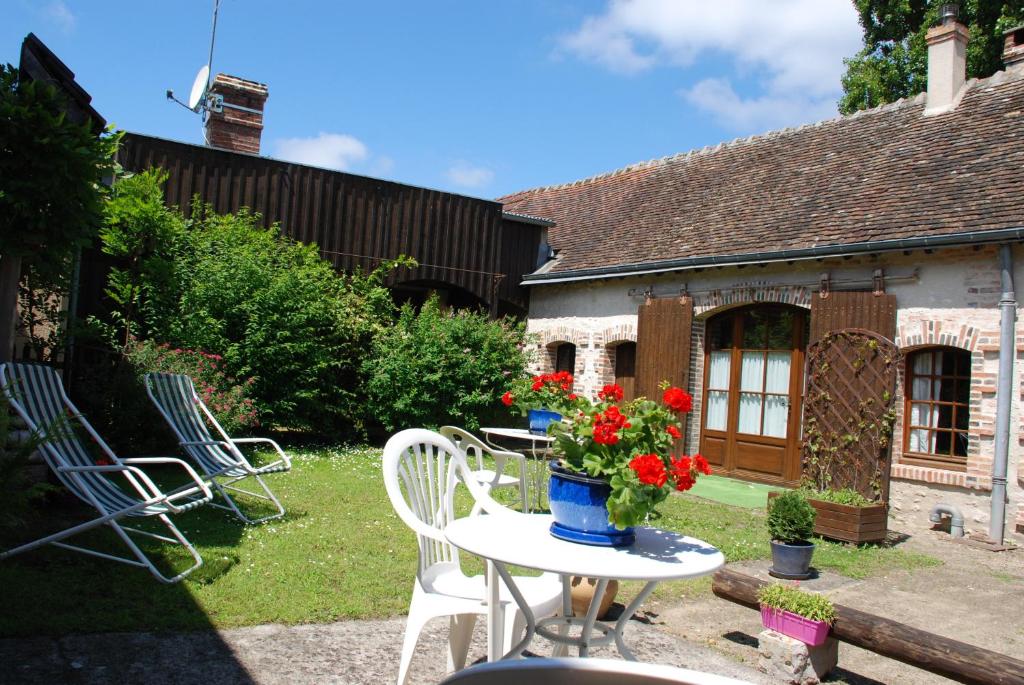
(199, 87)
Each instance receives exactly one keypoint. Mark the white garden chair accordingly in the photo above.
(175, 397)
(37, 395)
(421, 472)
(474, 450)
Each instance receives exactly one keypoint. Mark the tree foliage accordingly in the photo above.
(51, 170)
(893, 62)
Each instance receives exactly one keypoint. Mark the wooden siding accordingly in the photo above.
(356, 221)
(663, 345)
(841, 310)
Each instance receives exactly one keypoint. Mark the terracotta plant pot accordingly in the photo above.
(583, 594)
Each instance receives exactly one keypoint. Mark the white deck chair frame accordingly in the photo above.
(175, 397)
(421, 470)
(37, 395)
(474, 449)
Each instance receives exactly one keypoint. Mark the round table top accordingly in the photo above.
(516, 433)
(525, 540)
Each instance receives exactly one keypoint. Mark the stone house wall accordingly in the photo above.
(944, 297)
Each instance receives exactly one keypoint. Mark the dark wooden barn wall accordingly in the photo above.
(356, 221)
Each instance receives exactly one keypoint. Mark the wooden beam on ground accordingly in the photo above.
(950, 658)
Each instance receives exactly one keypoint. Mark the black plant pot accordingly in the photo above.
(791, 561)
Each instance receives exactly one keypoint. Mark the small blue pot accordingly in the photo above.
(540, 419)
(579, 505)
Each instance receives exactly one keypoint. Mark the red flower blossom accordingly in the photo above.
(682, 473)
(607, 425)
(507, 399)
(701, 464)
(610, 393)
(678, 400)
(649, 469)
(537, 383)
(573, 396)
(674, 432)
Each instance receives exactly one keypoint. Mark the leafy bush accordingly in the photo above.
(436, 367)
(51, 199)
(227, 398)
(810, 605)
(790, 517)
(278, 313)
(278, 316)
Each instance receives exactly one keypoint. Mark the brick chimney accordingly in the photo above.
(947, 61)
(1013, 48)
(235, 121)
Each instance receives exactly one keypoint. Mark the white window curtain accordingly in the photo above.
(924, 414)
(776, 408)
(718, 400)
(752, 380)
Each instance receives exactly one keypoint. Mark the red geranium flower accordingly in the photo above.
(678, 400)
(610, 393)
(701, 464)
(650, 469)
(507, 399)
(682, 473)
(674, 432)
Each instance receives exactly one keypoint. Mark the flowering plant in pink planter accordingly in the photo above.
(804, 616)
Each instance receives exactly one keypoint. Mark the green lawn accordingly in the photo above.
(340, 553)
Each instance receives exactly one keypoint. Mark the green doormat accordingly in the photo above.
(738, 493)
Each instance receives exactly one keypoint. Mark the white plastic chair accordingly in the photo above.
(474, 449)
(583, 671)
(175, 398)
(36, 393)
(421, 472)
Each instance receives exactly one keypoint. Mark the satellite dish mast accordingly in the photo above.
(198, 99)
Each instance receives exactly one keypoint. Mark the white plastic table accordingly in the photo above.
(525, 540)
(540, 449)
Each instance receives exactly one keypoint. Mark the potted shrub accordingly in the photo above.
(804, 616)
(791, 524)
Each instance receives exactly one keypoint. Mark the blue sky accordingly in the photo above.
(481, 98)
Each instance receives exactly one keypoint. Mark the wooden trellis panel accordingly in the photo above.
(849, 411)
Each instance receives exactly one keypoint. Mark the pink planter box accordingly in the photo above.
(797, 627)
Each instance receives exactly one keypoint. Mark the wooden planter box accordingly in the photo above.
(849, 524)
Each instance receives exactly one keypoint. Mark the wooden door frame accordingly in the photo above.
(791, 459)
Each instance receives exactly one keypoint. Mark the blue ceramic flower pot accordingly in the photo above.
(540, 419)
(579, 506)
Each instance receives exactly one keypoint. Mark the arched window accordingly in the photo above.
(625, 368)
(565, 357)
(937, 408)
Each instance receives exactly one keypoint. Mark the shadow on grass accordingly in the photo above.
(56, 597)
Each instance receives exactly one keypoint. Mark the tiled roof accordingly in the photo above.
(886, 173)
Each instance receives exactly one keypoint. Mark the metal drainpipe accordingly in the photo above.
(1004, 392)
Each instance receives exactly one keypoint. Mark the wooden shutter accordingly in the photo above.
(663, 344)
(875, 313)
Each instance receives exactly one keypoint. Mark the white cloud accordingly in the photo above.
(61, 15)
(794, 49)
(464, 174)
(770, 111)
(329, 150)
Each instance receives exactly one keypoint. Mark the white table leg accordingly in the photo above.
(588, 622)
(495, 625)
(531, 620)
(561, 648)
(620, 625)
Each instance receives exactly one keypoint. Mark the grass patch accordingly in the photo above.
(340, 553)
